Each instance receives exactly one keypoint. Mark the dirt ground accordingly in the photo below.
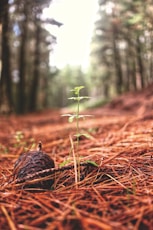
(116, 194)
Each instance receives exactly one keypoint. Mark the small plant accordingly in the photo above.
(18, 136)
(20, 142)
(76, 116)
(3, 149)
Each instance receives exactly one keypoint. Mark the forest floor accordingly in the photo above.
(118, 194)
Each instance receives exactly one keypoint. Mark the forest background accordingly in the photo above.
(121, 57)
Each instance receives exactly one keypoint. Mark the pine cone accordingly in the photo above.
(33, 162)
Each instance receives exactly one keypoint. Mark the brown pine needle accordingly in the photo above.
(9, 220)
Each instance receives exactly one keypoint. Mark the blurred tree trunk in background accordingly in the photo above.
(151, 57)
(128, 69)
(25, 51)
(130, 81)
(6, 101)
(21, 90)
(36, 73)
(140, 61)
(117, 62)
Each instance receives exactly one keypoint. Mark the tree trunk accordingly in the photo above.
(131, 67)
(36, 73)
(127, 78)
(140, 62)
(118, 68)
(6, 101)
(151, 58)
(106, 83)
(21, 88)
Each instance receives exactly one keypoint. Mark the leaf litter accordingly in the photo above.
(116, 194)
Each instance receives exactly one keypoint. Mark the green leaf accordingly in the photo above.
(64, 163)
(78, 135)
(83, 116)
(77, 89)
(137, 18)
(71, 119)
(73, 98)
(84, 97)
(78, 98)
(67, 115)
(88, 136)
(92, 163)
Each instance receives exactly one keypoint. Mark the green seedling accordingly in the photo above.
(64, 163)
(18, 136)
(19, 139)
(3, 149)
(92, 163)
(76, 116)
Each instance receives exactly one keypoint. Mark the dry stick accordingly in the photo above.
(46, 171)
(75, 162)
(53, 170)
